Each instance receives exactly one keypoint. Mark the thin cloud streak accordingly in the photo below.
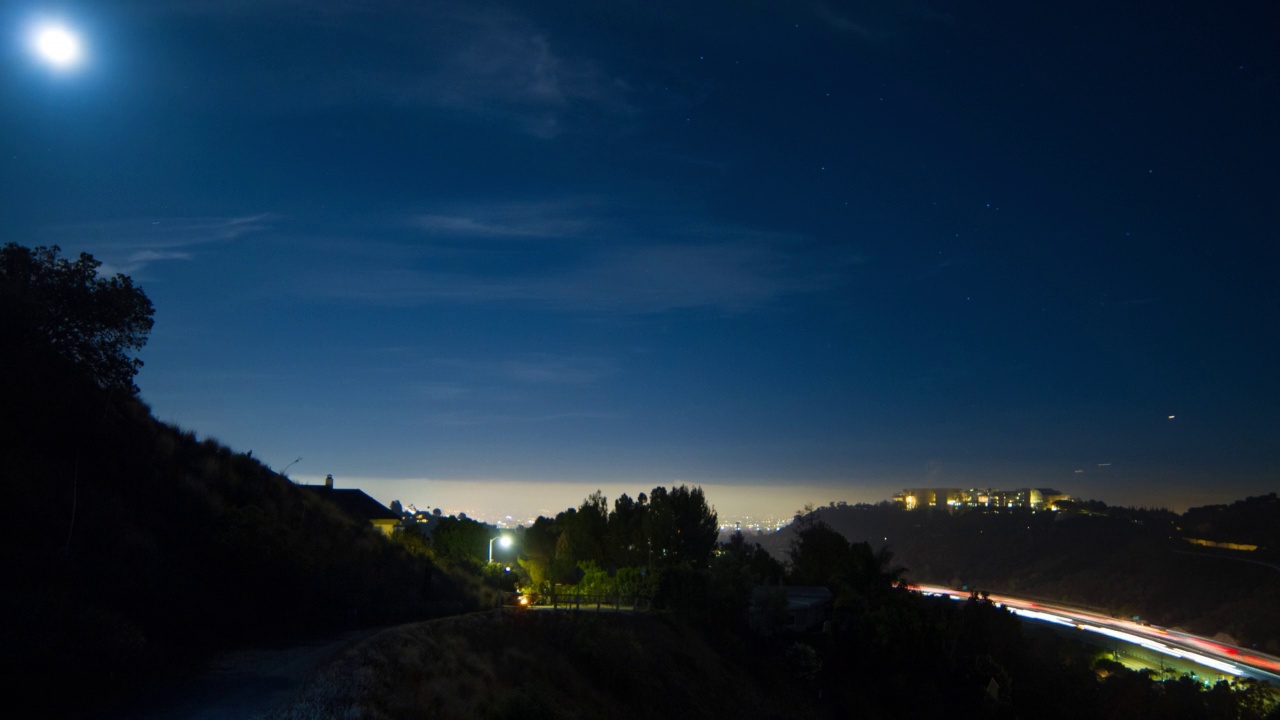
(135, 262)
(599, 267)
(535, 369)
(878, 24)
(129, 246)
(440, 391)
(482, 390)
(466, 418)
(508, 69)
(846, 25)
(554, 219)
(639, 281)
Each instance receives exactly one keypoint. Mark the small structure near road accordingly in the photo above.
(357, 505)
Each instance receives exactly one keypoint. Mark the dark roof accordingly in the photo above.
(353, 502)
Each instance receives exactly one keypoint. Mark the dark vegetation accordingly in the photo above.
(646, 546)
(62, 306)
(134, 551)
(884, 651)
(657, 548)
(1122, 560)
(887, 646)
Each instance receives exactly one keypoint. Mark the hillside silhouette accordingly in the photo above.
(134, 551)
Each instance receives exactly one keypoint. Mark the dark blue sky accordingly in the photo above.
(862, 245)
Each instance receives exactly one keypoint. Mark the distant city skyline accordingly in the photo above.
(520, 502)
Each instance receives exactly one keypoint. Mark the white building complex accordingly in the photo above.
(957, 498)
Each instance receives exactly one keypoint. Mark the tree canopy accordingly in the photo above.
(95, 323)
(663, 530)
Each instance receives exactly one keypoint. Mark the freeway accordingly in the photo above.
(1228, 660)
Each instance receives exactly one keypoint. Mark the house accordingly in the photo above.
(357, 505)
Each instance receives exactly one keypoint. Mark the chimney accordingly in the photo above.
(328, 481)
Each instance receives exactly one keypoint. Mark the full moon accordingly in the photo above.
(57, 46)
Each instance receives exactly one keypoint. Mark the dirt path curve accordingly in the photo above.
(245, 685)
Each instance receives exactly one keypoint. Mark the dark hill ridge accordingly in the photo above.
(1126, 561)
(134, 551)
(1254, 521)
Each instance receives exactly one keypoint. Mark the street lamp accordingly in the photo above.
(505, 541)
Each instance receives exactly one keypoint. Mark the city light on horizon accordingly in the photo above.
(511, 503)
(515, 502)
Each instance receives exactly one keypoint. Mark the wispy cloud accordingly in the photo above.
(135, 262)
(520, 389)
(463, 418)
(242, 8)
(938, 268)
(601, 267)
(509, 220)
(628, 280)
(129, 246)
(845, 24)
(439, 391)
(736, 272)
(473, 58)
(876, 23)
(542, 369)
(1133, 302)
(153, 233)
(506, 67)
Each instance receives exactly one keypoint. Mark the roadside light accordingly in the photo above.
(524, 599)
(503, 540)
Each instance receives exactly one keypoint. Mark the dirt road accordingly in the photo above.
(244, 685)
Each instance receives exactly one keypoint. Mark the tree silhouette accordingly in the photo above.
(682, 528)
(818, 554)
(94, 323)
(855, 574)
(461, 539)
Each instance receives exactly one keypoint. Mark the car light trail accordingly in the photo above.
(1226, 659)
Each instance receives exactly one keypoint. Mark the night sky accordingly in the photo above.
(461, 252)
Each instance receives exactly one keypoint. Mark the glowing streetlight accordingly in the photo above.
(57, 45)
(503, 540)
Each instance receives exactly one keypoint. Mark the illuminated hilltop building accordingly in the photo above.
(957, 498)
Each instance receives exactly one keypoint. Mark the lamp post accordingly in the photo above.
(505, 541)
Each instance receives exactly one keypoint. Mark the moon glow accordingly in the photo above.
(57, 46)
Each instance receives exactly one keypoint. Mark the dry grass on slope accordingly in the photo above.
(533, 665)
